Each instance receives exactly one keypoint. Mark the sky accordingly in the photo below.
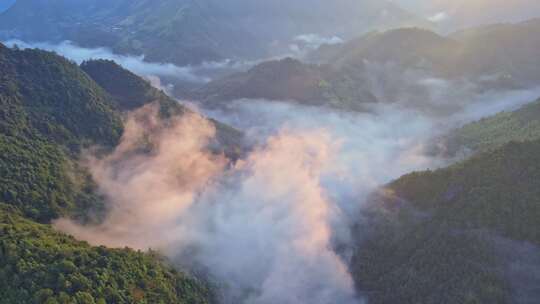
(5, 4)
(454, 14)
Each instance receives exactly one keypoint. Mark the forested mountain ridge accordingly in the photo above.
(504, 50)
(396, 66)
(50, 110)
(47, 87)
(130, 92)
(404, 46)
(494, 131)
(495, 190)
(461, 234)
(287, 80)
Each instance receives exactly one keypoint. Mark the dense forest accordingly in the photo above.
(40, 265)
(50, 110)
(454, 235)
(495, 131)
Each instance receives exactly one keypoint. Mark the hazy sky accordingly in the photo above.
(462, 13)
(453, 13)
(4, 4)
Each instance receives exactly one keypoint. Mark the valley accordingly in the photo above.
(178, 151)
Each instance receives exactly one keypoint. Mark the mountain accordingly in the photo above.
(408, 47)
(493, 132)
(127, 89)
(47, 88)
(464, 234)
(501, 50)
(189, 31)
(288, 80)
(468, 233)
(130, 92)
(406, 65)
(51, 110)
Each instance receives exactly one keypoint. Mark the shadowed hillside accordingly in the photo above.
(455, 235)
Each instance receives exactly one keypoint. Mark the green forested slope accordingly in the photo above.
(130, 91)
(433, 233)
(289, 80)
(498, 190)
(36, 178)
(426, 261)
(58, 99)
(39, 265)
(493, 132)
(49, 110)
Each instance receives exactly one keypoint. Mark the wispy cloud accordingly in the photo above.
(136, 64)
(439, 17)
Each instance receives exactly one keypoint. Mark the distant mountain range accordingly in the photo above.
(286, 80)
(505, 50)
(190, 32)
(386, 66)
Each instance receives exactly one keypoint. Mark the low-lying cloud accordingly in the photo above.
(439, 17)
(135, 64)
(164, 75)
(274, 226)
(263, 224)
(420, 89)
(303, 44)
(268, 224)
